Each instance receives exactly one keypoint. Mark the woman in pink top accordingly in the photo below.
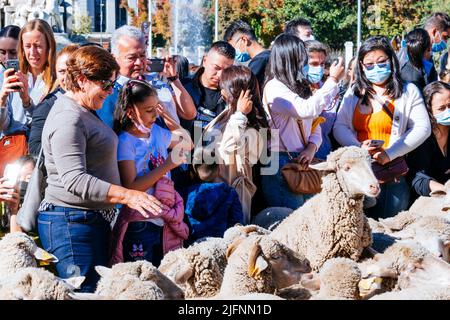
(288, 101)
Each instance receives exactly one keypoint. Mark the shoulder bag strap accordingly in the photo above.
(273, 122)
(385, 106)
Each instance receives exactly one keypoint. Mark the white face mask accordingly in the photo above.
(141, 128)
(311, 37)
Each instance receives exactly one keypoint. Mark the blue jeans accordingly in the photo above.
(394, 197)
(143, 241)
(276, 190)
(79, 239)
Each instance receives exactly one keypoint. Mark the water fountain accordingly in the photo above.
(191, 31)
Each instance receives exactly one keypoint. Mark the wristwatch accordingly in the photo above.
(172, 79)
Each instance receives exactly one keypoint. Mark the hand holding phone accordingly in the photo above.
(11, 174)
(155, 65)
(376, 143)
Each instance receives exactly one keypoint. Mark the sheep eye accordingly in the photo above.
(346, 167)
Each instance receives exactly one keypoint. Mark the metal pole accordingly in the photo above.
(101, 22)
(216, 22)
(150, 42)
(358, 39)
(176, 27)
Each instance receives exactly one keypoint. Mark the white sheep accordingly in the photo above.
(260, 264)
(18, 250)
(199, 269)
(339, 280)
(37, 284)
(332, 223)
(432, 232)
(437, 204)
(407, 264)
(111, 283)
(270, 218)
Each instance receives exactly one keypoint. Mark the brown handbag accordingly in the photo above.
(393, 170)
(299, 179)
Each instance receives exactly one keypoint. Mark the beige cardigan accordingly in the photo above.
(237, 149)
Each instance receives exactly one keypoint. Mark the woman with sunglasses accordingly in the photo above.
(430, 163)
(379, 106)
(83, 183)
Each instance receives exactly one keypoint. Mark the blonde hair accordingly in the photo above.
(49, 76)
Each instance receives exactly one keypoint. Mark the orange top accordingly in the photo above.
(375, 126)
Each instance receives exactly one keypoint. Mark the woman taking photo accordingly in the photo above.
(381, 107)
(291, 106)
(83, 176)
(430, 163)
(24, 89)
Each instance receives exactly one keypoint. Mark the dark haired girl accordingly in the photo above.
(289, 102)
(143, 160)
(241, 127)
(418, 69)
(381, 107)
(430, 163)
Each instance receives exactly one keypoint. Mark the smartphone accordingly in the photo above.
(11, 173)
(156, 65)
(12, 64)
(376, 143)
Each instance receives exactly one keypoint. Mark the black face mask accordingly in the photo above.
(22, 189)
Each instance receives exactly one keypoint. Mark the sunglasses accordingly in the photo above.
(107, 84)
(381, 64)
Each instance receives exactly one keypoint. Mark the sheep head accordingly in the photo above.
(444, 194)
(22, 242)
(352, 166)
(285, 266)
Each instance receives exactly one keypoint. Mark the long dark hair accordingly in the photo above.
(428, 92)
(363, 87)
(287, 58)
(133, 92)
(240, 78)
(418, 42)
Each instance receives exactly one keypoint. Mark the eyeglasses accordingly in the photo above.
(381, 64)
(107, 84)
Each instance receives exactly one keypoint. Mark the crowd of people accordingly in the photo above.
(139, 163)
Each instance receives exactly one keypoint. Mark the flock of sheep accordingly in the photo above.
(326, 249)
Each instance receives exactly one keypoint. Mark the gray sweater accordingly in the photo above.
(80, 157)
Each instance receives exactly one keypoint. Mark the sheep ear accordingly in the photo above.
(74, 282)
(184, 275)
(256, 263)
(438, 193)
(233, 246)
(249, 229)
(41, 254)
(322, 166)
(103, 271)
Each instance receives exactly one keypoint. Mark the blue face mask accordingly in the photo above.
(242, 56)
(438, 47)
(315, 74)
(443, 117)
(378, 75)
(303, 72)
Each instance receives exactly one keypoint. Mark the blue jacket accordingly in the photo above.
(211, 209)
